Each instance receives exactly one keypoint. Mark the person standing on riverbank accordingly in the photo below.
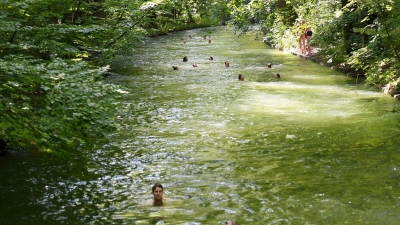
(302, 36)
(308, 34)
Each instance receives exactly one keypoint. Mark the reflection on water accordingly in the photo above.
(310, 148)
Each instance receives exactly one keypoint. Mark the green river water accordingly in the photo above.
(315, 147)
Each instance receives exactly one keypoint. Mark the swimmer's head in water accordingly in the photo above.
(157, 191)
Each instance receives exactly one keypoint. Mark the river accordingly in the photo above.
(313, 147)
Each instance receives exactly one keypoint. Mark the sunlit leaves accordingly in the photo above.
(54, 104)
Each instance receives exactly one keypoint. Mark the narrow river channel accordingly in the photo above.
(313, 147)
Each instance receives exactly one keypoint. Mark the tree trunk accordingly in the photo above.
(76, 13)
(347, 30)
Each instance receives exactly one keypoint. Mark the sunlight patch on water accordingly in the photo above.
(291, 100)
(313, 77)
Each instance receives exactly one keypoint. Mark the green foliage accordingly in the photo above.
(48, 101)
(55, 104)
(379, 59)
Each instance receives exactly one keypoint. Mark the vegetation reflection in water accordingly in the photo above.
(311, 148)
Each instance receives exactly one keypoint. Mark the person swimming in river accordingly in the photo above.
(175, 68)
(277, 76)
(269, 65)
(241, 77)
(229, 223)
(194, 64)
(226, 63)
(157, 191)
(185, 59)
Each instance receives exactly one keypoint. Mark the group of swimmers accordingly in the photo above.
(226, 63)
(158, 199)
(185, 59)
(190, 36)
(241, 76)
(276, 76)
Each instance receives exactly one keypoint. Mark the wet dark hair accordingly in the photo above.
(156, 185)
(185, 59)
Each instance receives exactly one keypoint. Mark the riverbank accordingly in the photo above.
(315, 57)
